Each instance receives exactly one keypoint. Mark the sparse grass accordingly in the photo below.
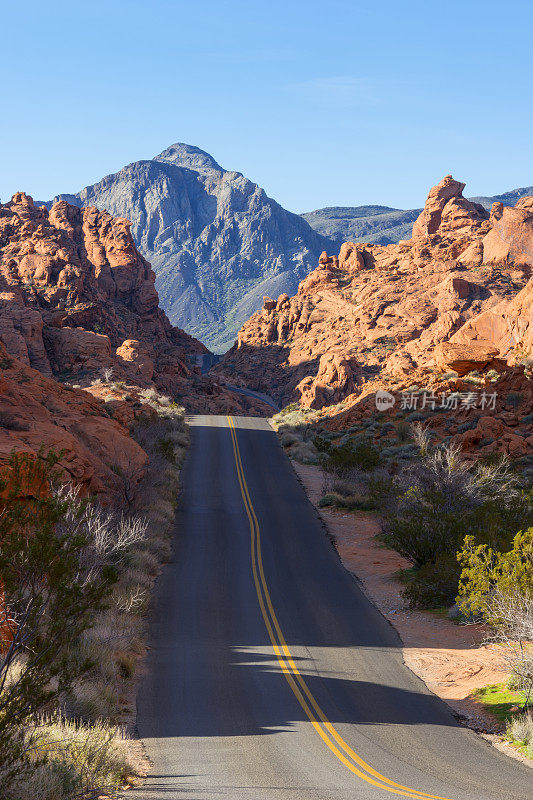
(73, 759)
(353, 502)
(499, 699)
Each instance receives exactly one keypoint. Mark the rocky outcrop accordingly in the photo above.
(510, 240)
(447, 211)
(387, 308)
(507, 327)
(504, 425)
(77, 298)
(463, 358)
(96, 452)
(337, 377)
(217, 243)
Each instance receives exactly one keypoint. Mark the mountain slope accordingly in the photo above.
(381, 224)
(216, 241)
(378, 224)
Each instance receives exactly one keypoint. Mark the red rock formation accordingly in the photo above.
(461, 278)
(463, 358)
(77, 297)
(77, 273)
(98, 453)
(502, 426)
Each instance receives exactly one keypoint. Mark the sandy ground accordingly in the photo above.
(450, 658)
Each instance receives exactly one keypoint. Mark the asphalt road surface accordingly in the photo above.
(270, 675)
(265, 398)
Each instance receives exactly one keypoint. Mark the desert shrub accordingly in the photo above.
(448, 376)
(322, 444)
(288, 409)
(434, 585)
(520, 730)
(149, 395)
(360, 455)
(56, 576)
(513, 399)
(416, 416)
(73, 760)
(440, 498)
(422, 437)
(400, 451)
(498, 586)
(166, 448)
(469, 425)
(287, 439)
(350, 502)
(379, 487)
(344, 488)
(304, 452)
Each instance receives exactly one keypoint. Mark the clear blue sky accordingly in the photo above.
(337, 102)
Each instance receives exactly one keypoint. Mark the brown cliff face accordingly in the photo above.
(76, 297)
(377, 313)
(74, 288)
(97, 452)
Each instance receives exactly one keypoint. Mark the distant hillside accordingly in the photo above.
(216, 241)
(376, 224)
(381, 224)
(508, 198)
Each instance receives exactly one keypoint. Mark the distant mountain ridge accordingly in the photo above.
(382, 224)
(216, 241)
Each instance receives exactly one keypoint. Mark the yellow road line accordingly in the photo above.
(322, 725)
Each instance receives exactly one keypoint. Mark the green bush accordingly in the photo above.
(434, 585)
(440, 499)
(361, 455)
(322, 444)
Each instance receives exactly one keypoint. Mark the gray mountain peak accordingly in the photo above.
(216, 241)
(189, 157)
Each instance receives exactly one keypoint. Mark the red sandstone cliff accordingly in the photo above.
(98, 453)
(379, 313)
(77, 297)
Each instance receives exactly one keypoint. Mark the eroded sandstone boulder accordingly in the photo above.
(464, 358)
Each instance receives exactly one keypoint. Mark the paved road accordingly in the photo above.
(265, 398)
(271, 676)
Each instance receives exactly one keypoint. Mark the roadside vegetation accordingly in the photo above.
(465, 526)
(75, 588)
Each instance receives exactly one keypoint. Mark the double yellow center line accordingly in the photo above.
(301, 691)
